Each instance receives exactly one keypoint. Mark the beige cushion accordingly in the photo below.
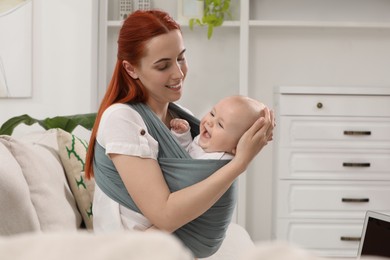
(41, 178)
(72, 151)
(17, 212)
(46, 138)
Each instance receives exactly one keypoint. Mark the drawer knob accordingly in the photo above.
(355, 200)
(348, 132)
(361, 165)
(345, 238)
(319, 105)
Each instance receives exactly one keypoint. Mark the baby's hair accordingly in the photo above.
(254, 107)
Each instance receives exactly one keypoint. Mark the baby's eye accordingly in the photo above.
(212, 113)
(220, 125)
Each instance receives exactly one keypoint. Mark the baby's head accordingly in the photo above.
(228, 120)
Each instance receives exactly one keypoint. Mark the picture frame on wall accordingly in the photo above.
(16, 49)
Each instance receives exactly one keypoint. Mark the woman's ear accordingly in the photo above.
(130, 69)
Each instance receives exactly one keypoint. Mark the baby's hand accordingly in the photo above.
(179, 125)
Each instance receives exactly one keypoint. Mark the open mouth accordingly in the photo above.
(178, 86)
(205, 133)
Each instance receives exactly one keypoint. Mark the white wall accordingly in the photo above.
(310, 57)
(64, 61)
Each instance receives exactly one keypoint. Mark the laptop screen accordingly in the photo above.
(376, 235)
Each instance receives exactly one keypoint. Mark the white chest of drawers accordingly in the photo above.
(332, 164)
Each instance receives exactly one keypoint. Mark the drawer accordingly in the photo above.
(334, 105)
(331, 199)
(335, 132)
(322, 237)
(333, 164)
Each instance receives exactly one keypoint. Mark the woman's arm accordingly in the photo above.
(169, 211)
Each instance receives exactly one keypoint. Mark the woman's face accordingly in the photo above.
(163, 68)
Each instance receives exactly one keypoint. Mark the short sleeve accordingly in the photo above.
(123, 131)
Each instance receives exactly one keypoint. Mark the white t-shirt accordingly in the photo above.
(116, 134)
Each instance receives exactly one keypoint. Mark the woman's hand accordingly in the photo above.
(254, 139)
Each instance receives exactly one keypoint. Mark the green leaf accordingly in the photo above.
(210, 31)
(8, 127)
(191, 23)
(214, 14)
(67, 123)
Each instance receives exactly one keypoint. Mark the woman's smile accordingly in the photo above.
(177, 86)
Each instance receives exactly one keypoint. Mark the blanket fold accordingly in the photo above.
(205, 234)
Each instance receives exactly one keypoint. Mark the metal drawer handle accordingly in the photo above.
(320, 105)
(350, 164)
(354, 200)
(350, 132)
(344, 238)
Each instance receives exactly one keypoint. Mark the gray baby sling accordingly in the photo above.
(205, 234)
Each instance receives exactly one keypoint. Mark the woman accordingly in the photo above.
(150, 69)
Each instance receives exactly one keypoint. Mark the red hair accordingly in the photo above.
(136, 30)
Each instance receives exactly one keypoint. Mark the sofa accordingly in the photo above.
(44, 196)
(46, 210)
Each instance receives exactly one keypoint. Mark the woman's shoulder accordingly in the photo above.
(119, 132)
(117, 121)
(119, 115)
(118, 107)
(120, 110)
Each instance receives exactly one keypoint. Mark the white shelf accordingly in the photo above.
(318, 24)
(225, 24)
(114, 23)
(118, 23)
(275, 23)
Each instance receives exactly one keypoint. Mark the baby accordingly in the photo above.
(220, 129)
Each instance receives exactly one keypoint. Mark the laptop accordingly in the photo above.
(375, 239)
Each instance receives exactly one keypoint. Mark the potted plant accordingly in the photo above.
(215, 12)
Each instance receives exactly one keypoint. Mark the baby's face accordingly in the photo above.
(223, 126)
